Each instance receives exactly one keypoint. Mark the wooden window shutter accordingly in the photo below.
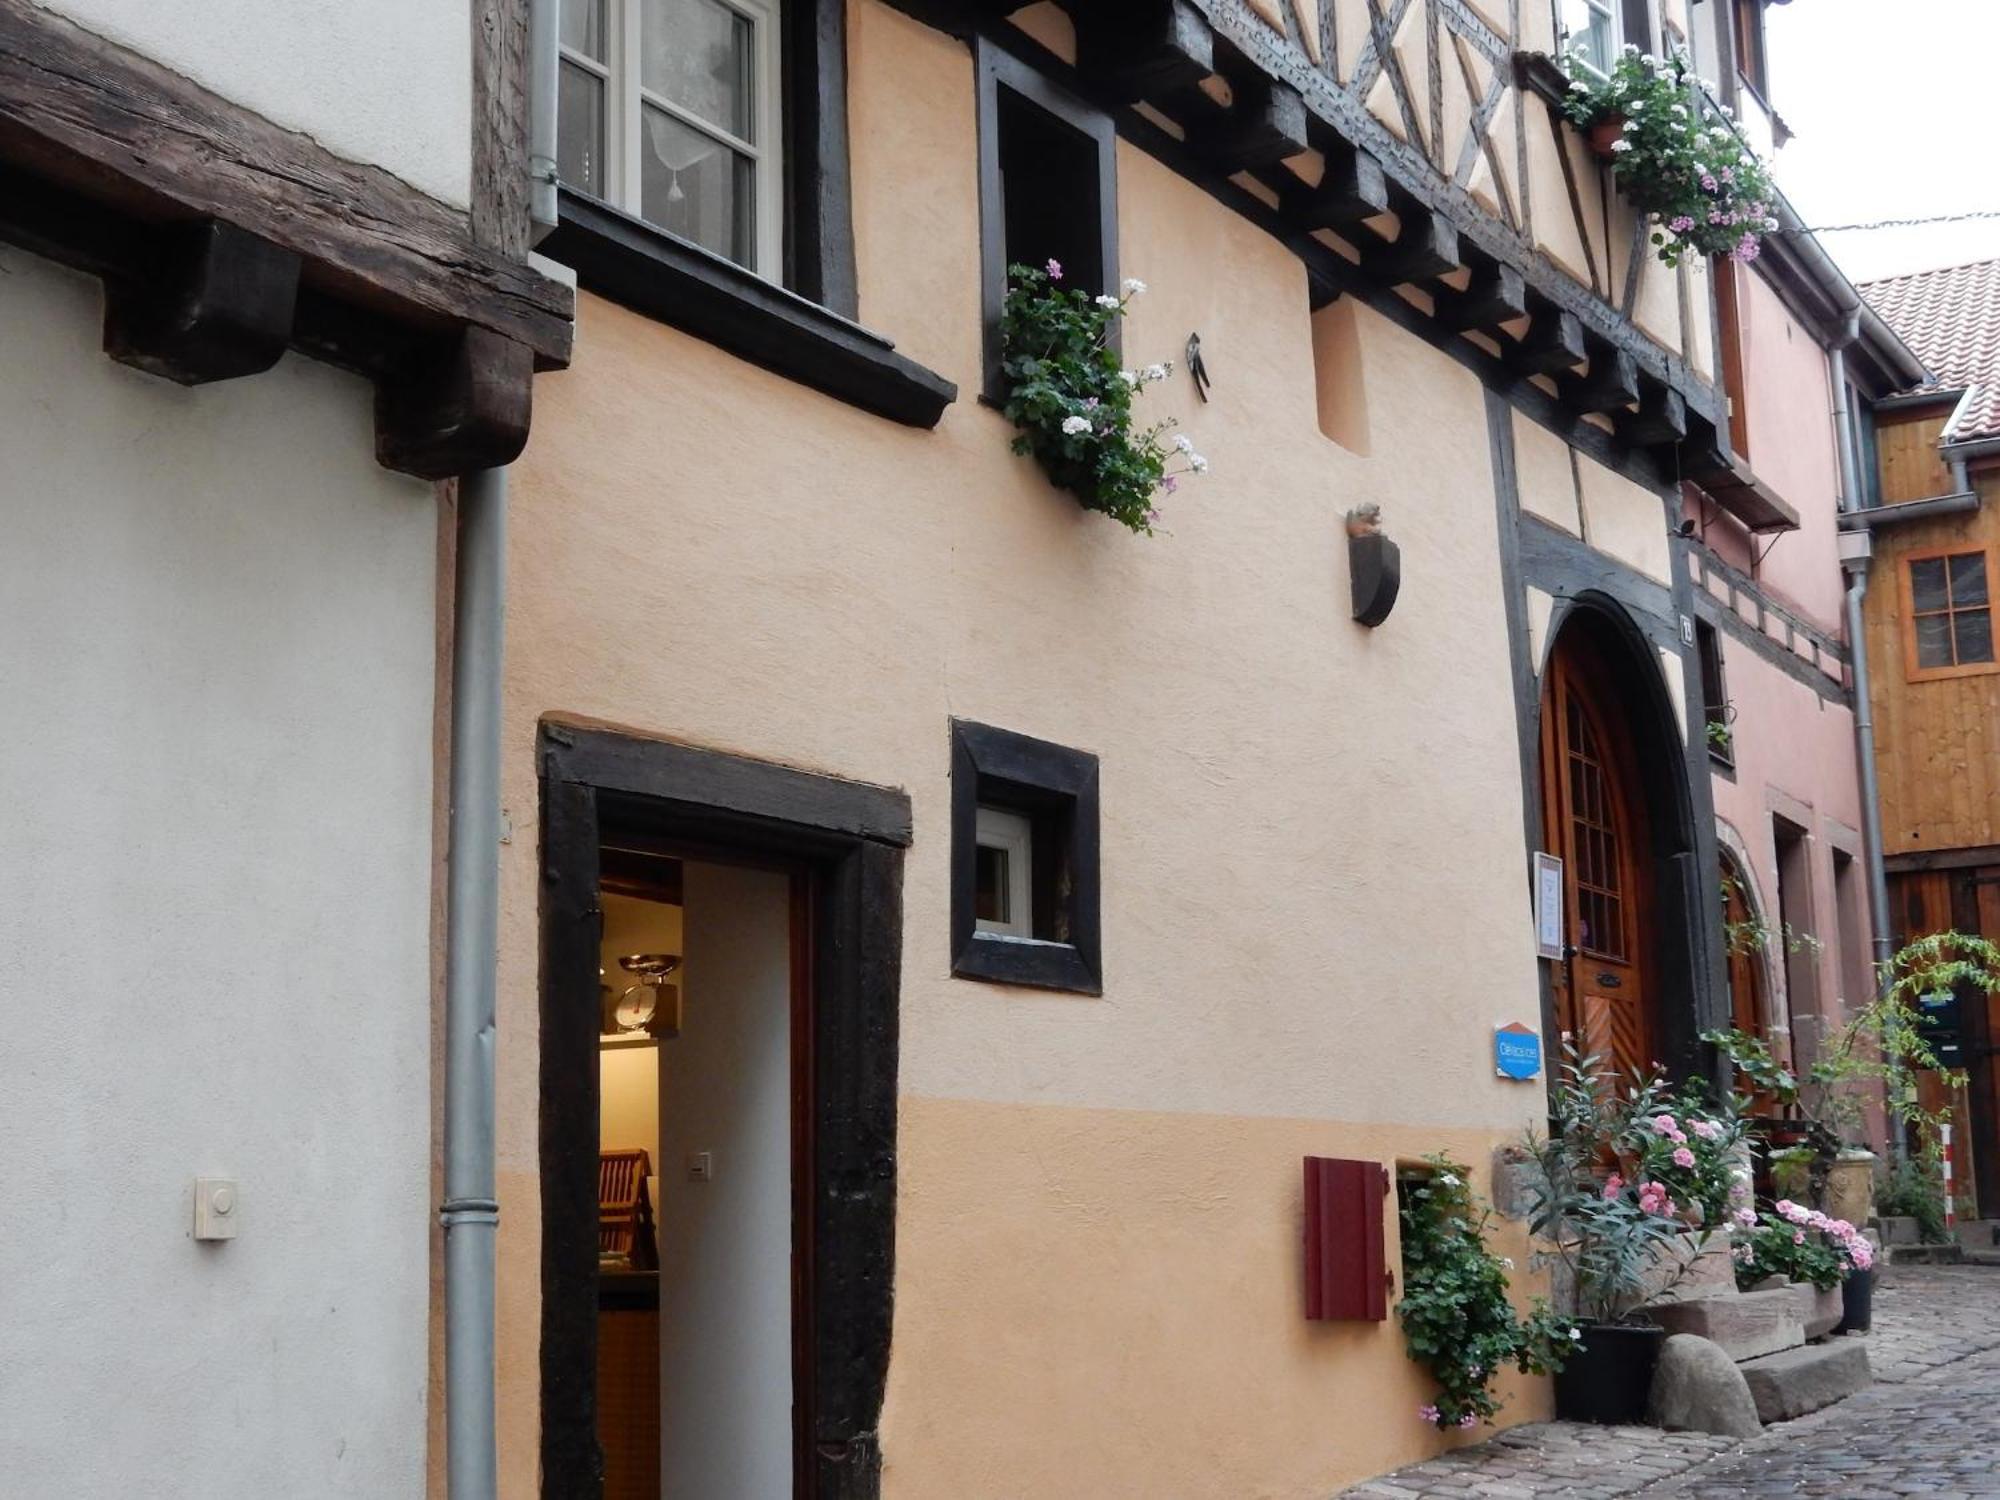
(1346, 1267)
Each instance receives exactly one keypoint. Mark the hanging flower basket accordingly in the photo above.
(1072, 401)
(1704, 189)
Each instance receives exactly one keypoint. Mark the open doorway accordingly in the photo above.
(720, 965)
(699, 1148)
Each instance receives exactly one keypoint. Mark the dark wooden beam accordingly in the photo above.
(125, 132)
(1424, 249)
(464, 406)
(1266, 124)
(215, 303)
(1352, 189)
(1495, 295)
(1553, 346)
(1611, 384)
(1145, 49)
(1662, 416)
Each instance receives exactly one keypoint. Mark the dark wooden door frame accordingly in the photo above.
(848, 840)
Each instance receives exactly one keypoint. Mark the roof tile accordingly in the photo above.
(1951, 319)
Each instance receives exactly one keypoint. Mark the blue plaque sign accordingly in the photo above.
(1517, 1051)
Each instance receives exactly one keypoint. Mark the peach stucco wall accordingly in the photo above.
(1315, 902)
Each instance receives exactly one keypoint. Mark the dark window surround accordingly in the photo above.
(998, 69)
(1057, 787)
(622, 257)
(1714, 691)
(805, 330)
(847, 840)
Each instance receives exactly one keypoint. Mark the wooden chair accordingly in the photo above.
(624, 1215)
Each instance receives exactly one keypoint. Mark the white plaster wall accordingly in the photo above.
(726, 1244)
(381, 81)
(216, 659)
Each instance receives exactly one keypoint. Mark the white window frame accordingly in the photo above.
(1612, 12)
(1013, 835)
(624, 120)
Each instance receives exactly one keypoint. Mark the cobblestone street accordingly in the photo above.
(1930, 1425)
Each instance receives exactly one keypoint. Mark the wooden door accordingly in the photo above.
(1591, 818)
(1747, 953)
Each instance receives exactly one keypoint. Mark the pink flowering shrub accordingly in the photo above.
(1703, 187)
(1803, 1244)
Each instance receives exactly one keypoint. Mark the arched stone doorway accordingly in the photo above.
(1616, 808)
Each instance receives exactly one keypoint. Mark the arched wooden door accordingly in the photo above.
(1593, 819)
(1743, 936)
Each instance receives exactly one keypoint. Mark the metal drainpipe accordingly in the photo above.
(1857, 650)
(470, 1212)
(544, 65)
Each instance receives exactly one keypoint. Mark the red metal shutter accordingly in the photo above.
(1346, 1272)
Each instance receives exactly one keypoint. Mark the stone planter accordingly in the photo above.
(1900, 1229)
(1850, 1187)
(1828, 1308)
(1708, 1272)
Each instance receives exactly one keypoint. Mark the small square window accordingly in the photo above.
(1024, 881)
(1047, 187)
(1717, 711)
(1950, 610)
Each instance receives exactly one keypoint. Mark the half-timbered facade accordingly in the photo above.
(781, 596)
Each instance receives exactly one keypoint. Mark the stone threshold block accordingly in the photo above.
(1802, 1380)
(1746, 1324)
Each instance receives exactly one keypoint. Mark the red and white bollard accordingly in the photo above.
(1950, 1209)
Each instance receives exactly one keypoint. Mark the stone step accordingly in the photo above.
(1977, 1234)
(1745, 1324)
(1796, 1381)
(1926, 1255)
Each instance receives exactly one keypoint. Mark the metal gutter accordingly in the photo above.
(1877, 517)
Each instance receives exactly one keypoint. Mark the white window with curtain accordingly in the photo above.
(670, 111)
(1587, 34)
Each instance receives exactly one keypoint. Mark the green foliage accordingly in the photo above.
(1703, 187)
(1719, 735)
(1456, 1318)
(1753, 935)
(1914, 1190)
(1601, 1185)
(1072, 401)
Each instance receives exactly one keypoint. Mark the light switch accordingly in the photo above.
(701, 1166)
(216, 1208)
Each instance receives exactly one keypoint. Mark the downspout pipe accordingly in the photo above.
(470, 1212)
(544, 66)
(1856, 548)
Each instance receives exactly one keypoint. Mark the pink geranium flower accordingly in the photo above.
(1613, 1186)
(1683, 1157)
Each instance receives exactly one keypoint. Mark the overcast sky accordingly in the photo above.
(1894, 104)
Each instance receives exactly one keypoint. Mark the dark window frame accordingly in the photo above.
(803, 329)
(1715, 704)
(1914, 668)
(1057, 788)
(997, 71)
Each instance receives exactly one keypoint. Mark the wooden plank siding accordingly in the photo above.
(1907, 444)
(1937, 740)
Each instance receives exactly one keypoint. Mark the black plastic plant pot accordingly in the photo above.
(1857, 1301)
(1610, 1374)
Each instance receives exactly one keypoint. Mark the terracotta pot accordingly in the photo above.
(1604, 134)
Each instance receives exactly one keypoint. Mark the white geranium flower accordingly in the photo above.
(1134, 286)
(1183, 443)
(1106, 300)
(1075, 425)
(1621, 145)
(1197, 463)
(1447, 1179)
(1156, 372)
(1130, 377)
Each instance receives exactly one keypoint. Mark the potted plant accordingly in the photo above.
(1807, 1248)
(1700, 184)
(1456, 1316)
(1601, 1190)
(1071, 399)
